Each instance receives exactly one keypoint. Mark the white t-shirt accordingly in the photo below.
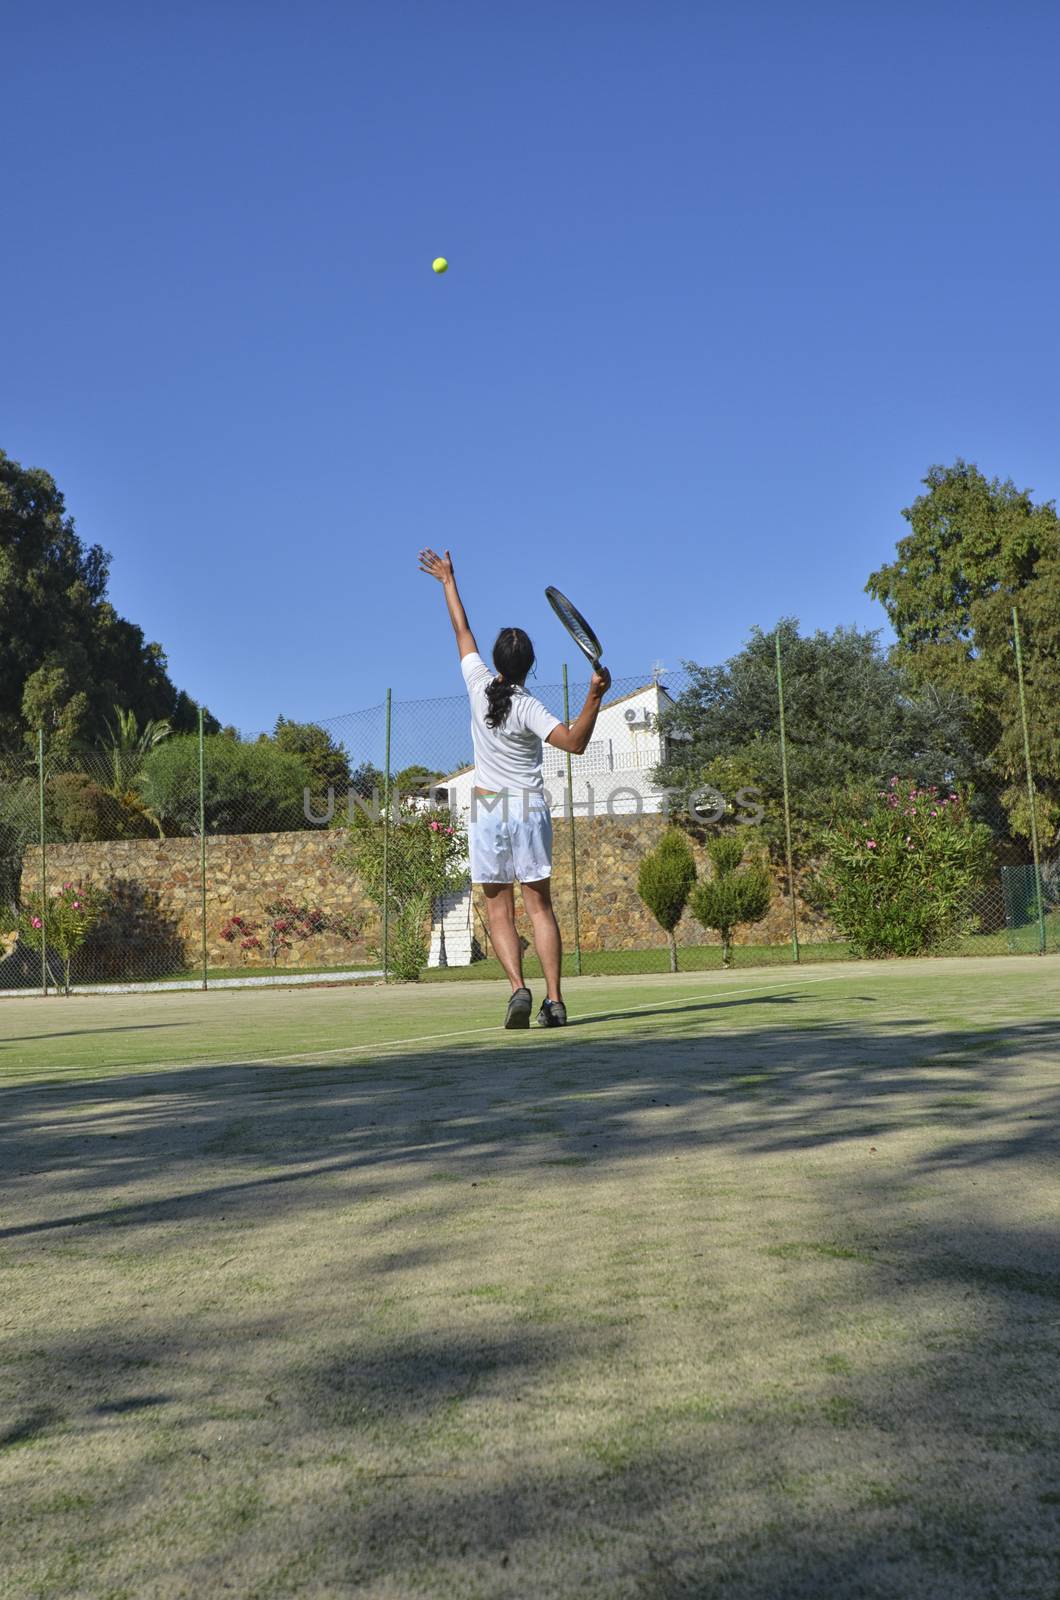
(508, 757)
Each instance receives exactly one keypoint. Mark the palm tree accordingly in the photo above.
(120, 763)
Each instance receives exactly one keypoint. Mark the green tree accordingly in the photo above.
(65, 655)
(249, 788)
(852, 715)
(665, 881)
(416, 779)
(326, 760)
(903, 867)
(366, 780)
(976, 548)
(51, 701)
(365, 788)
(731, 897)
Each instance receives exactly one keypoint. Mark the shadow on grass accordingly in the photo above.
(31, 1426)
(927, 1472)
(786, 1090)
(894, 1480)
(80, 1033)
(638, 1013)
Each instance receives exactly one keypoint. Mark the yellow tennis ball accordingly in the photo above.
(440, 264)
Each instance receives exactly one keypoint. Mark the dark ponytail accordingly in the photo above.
(513, 656)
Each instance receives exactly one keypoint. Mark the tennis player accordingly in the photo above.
(510, 828)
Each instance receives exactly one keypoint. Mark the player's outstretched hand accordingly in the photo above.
(601, 681)
(436, 566)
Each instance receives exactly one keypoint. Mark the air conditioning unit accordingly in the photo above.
(637, 718)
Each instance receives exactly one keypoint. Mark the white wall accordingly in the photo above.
(625, 747)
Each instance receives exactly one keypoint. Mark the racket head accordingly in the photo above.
(575, 624)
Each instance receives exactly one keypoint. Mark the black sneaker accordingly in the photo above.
(553, 1014)
(518, 1015)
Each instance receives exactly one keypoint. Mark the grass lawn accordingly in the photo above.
(607, 963)
(265, 972)
(744, 1285)
(707, 958)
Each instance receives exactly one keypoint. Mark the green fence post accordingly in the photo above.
(43, 865)
(202, 849)
(386, 846)
(787, 806)
(1030, 784)
(573, 837)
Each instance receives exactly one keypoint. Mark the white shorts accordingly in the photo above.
(510, 848)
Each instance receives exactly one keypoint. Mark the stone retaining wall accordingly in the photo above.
(612, 916)
(157, 928)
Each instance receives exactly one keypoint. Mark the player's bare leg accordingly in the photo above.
(500, 909)
(548, 942)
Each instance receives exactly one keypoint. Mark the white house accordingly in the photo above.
(612, 778)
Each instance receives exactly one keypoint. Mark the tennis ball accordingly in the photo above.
(440, 264)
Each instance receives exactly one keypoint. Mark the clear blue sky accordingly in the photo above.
(725, 280)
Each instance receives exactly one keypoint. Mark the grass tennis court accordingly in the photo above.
(745, 1284)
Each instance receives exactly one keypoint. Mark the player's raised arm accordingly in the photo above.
(441, 567)
(576, 737)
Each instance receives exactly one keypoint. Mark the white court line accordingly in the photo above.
(285, 980)
(454, 1033)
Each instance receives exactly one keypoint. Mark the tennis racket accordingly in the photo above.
(576, 626)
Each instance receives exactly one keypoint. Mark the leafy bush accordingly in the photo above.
(81, 811)
(8, 929)
(665, 881)
(19, 827)
(731, 897)
(249, 788)
(903, 867)
(63, 920)
(425, 858)
(410, 944)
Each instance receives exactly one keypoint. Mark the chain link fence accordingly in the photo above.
(337, 850)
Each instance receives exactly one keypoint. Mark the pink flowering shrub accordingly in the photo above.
(425, 857)
(242, 931)
(902, 869)
(289, 923)
(283, 923)
(63, 922)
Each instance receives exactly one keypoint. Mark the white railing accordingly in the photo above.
(600, 756)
